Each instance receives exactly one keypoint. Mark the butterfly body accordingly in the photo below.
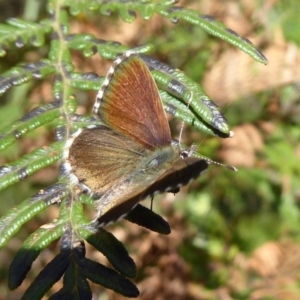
(131, 156)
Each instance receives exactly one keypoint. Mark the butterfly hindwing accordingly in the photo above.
(100, 157)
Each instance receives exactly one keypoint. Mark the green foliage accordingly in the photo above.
(182, 97)
(287, 14)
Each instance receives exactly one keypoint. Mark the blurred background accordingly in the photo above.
(235, 235)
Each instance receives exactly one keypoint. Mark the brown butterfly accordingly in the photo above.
(131, 156)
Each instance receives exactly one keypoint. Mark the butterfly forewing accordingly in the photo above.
(131, 104)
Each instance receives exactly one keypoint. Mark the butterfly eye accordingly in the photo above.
(184, 154)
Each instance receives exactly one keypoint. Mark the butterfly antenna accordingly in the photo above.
(180, 133)
(182, 124)
(151, 205)
(210, 161)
